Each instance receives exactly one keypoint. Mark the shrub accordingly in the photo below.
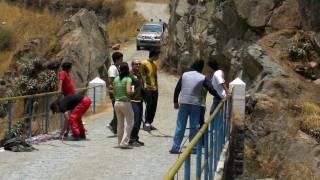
(310, 119)
(47, 81)
(5, 39)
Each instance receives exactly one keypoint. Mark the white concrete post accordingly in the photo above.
(101, 92)
(239, 96)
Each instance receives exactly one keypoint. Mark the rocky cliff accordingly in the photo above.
(82, 41)
(273, 45)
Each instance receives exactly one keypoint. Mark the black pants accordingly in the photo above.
(151, 100)
(137, 108)
(114, 120)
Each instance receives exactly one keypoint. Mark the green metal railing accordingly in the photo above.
(14, 104)
(214, 133)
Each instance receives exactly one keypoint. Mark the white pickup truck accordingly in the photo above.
(152, 35)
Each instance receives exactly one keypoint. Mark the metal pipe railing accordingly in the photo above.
(213, 134)
(28, 114)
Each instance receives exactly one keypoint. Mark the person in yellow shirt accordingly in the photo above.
(148, 71)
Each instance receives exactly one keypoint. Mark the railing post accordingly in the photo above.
(198, 163)
(187, 168)
(29, 109)
(238, 96)
(226, 120)
(222, 125)
(211, 149)
(46, 109)
(94, 99)
(206, 154)
(215, 149)
(9, 110)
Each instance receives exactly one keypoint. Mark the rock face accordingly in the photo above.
(83, 42)
(273, 45)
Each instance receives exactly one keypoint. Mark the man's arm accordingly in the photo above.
(207, 84)
(110, 80)
(177, 91)
(112, 73)
(226, 89)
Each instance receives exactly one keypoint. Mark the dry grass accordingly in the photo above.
(5, 60)
(295, 170)
(155, 1)
(122, 28)
(25, 25)
(310, 116)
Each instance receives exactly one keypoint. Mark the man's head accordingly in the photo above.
(198, 65)
(135, 65)
(213, 64)
(154, 54)
(66, 66)
(55, 107)
(117, 58)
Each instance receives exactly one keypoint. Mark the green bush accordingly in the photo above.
(5, 38)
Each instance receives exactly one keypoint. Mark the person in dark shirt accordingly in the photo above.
(136, 102)
(73, 107)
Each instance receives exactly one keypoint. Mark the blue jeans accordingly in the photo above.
(186, 111)
(137, 108)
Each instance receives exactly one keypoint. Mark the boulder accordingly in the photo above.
(310, 14)
(256, 13)
(287, 15)
(234, 24)
(83, 42)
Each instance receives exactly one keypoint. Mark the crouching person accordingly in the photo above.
(74, 107)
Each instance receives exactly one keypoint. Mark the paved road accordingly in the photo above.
(97, 158)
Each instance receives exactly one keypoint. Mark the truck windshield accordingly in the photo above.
(151, 28)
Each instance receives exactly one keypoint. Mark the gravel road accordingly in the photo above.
(97, 158)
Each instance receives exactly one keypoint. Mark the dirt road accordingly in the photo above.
(97, 158)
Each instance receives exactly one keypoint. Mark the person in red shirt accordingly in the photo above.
(66, 86)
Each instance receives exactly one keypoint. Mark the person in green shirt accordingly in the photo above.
(122, 92)
(137, 102)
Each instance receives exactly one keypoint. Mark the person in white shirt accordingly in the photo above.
(113, 72)
(218, 82)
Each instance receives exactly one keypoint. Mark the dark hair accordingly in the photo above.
(198, 65)
(123, 70)
(213, 64)
(116, 56)
(55, 106)
(66, 66)
(154, 53)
